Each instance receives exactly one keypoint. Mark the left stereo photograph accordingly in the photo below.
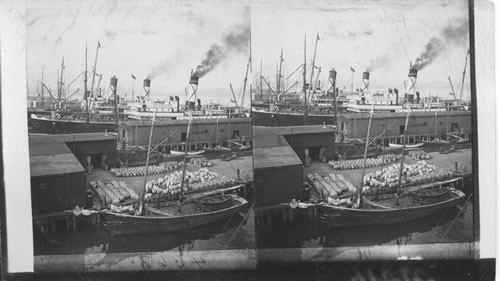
(140, 136)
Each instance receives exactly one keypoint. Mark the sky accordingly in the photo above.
(383, 36)
(157, 39)
(165, 40)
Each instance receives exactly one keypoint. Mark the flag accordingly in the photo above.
(98, 44)
(133, 77)
(352, 69)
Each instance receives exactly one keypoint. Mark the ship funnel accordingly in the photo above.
(113, 82)
(412, 75)
(333, 75)
(366, 80)
(194, 79)
(147, 85)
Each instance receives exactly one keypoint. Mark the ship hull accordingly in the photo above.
(277, 119)
(126, 224)
(336, 216)
(53, 126)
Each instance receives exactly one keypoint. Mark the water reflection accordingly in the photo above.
(307, 232)
(237, 232)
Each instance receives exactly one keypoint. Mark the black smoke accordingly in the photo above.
(234, 42)
(453, 34)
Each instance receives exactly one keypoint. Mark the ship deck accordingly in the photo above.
(462, 157)
(226, 168)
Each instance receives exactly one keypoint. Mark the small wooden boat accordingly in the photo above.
(431, 195)
(386, 211)
(397, 145)
(168, 218)
(447, 149)
(396, 207)
(190, 153)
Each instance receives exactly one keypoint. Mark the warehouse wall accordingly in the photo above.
(57, 193)
(417, 125)
(200, 132)
(278, 185)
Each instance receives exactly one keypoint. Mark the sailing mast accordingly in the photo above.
(313, 62)
(85, 91)
(278, 86)
(184, 161)
(95, 65)
(143, 193)
(402, 154)
(364, 156)
(305, 83)
(245, 84)
(463, 75)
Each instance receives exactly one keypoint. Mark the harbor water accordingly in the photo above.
(452, 226)
(234, 233)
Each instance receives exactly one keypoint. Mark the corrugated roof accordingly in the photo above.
(57, 164)
(270, 140)
(81, 137)
(47, 146)
(380, 115)
(292, 130)
(139, 123)
(271, 157)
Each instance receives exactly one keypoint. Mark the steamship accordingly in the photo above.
(104, 115)
(324, 106)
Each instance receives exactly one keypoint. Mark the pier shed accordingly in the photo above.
(278, 173)
(421, 125)
(99, 149)
(58, 179)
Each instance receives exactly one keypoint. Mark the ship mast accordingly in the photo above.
(60, 89)
(402, 154)
(463, 75)
(85, 91)
(245, 84)
(305, 84)
(312, 68)
(143, 193)
(41, 85)
(360, 187)
(95, 65)
(278, 86)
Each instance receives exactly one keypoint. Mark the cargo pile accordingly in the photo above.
(418, 173)
(330, 185)
(141, 170)
(201, 162)
(419, 154)
(197, 181)
(113, 192)
(358, 163)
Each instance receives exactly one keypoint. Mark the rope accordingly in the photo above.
(455, 219)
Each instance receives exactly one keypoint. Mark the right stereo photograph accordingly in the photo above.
(363, 131)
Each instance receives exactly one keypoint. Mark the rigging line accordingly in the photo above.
(241, 223)
(455, 219)
(397, 31)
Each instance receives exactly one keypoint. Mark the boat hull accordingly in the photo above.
(54, 126)
(126, 224)
(175, 152)
(336, 216)
(416, 145)
(276, 119)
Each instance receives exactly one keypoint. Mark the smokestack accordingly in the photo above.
(194, 79)
(397, 95)
(113, 82)
(199, 104)
(366, 80)
(178, 102)
(147, 86)
(412, 75)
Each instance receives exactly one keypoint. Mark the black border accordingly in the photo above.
(481, 269)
